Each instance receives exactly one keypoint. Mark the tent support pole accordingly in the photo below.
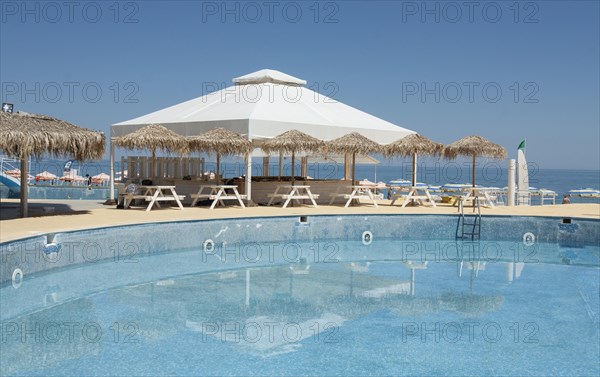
(111, 187)
(249, 177)
(24, 187)
(123, 167)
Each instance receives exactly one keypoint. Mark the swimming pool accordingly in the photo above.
(302, 303)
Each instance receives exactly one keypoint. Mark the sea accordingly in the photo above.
(488, 173)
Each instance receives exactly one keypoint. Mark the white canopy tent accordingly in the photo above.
(261, 105)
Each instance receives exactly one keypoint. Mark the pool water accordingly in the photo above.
(334, 308)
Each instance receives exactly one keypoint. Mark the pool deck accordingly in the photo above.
(81, 214)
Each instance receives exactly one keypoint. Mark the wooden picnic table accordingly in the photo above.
(417, 194)
(154, 195)
(475, 192)
(217, 193)
(358, 192)
(293, 192)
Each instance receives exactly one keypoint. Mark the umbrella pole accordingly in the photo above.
(473, 170)
(280, 165)
(218, 168)
(293, 163)
(414, 169)
(353, 167)
(346, 170)
(202, 168)
(153, 165)
(24, 188)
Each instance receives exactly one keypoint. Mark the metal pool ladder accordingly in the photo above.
(469, 225)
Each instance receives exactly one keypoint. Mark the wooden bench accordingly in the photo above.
(398, 196)
(167, 198)
(201, 196)
(292, 192)
(345, 196)
(335, 195)
(128, 198)
(360, 196)
(286, 196)
(358, 193)
(214, 196)
(348, 196)
(131, 197)
(419, 197)
(218, 193)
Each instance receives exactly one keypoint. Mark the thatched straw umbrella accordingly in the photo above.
(222, 142)
(475, 146)
(413, 145)
(293, 141)
(23, 135)
(153, 137)
(353, 143)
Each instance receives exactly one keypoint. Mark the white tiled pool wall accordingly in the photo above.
(36, 254)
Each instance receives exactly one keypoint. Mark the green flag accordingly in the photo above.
(522, 145)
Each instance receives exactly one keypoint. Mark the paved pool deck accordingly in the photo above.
(50, 216)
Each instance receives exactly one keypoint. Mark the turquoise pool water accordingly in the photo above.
(313, 308)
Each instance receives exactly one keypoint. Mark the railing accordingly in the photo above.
(165, 167)
(13, 181)
(6, 163)
(470, 225)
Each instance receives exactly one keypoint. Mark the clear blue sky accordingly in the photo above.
(379, 55)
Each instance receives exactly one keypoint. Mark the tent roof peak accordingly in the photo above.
(268, 76)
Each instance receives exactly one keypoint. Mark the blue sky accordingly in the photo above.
(532, 67)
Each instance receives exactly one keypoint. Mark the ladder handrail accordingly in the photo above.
(476, 230)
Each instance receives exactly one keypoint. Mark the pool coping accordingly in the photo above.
(257, 213)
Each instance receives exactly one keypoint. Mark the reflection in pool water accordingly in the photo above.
(354, 315)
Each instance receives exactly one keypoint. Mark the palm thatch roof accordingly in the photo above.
(153, 136)
(23, 134)
(353, 143)
(221, 141)
(413, 144)
(293, 141)
(474, 146)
